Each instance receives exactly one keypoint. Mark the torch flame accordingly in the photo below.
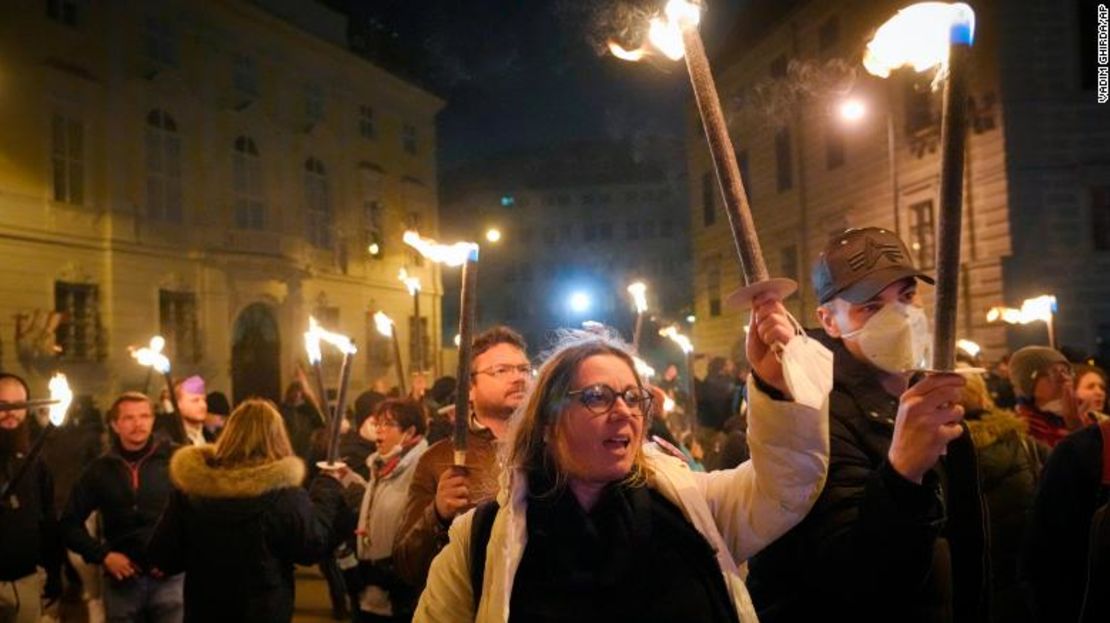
(1040, 308)
(683, 342)
(411, 282)
(919, 36)
(451, 255)
(383, 323)
(969, 347)
(638, 290)
(317, 334)
(60, 391)
(151, 355)
(664, 32)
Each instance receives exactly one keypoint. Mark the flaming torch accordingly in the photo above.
(61, 397)
(638, 290)
(940, 34)
(312, 339)
(152, 356)
(384, 325)
(676, 35)
(687, 347)
(463, 254)
(412, 283)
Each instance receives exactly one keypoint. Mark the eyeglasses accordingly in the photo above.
(1060, 372)
(600, 398)
(386, 424)
(505, 370)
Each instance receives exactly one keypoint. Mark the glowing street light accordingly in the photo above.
(580, 302)
(852, 110)
(493, 234)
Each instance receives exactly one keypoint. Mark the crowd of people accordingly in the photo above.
(589, 492)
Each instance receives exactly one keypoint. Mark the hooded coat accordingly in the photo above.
(738, 512)
(236, 533)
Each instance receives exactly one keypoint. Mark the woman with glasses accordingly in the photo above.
(379, 594)
(591, 524)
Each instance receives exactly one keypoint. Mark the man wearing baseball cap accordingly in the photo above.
(897, 534)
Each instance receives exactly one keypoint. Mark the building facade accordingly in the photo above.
(578, 224)
(214, 173)
(1036, 210)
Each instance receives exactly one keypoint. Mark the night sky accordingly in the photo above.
(528, 73)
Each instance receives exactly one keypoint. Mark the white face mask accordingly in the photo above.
(896, 338)
(807, 368)
(1055, 407)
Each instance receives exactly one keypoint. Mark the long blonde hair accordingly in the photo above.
(254, 435)
(539, 419)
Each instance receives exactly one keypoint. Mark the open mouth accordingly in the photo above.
(617, 442)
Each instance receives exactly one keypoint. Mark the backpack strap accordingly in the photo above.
(480, 529)
(1104, 428)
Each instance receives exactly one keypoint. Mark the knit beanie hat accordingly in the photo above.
(1027, 362)
(365, 404)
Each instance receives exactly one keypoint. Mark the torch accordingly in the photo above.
(152, 357)
(687, 347)
(60, 398)
(677, 36)
(638, 290)
(463, 254)
(384, 325)
(312, 339)
(945, 33)
(412, 283)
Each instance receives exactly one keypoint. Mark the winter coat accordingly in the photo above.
(878, 547)
(381, 502)
(1047, 428)
(236, 533)
(1056, 553)
(422, 534)
(738, 511)
(130, 498)
(29, 536)
(1009, 468)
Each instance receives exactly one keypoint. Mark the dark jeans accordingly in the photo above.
(143, 598)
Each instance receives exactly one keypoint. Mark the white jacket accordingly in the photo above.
(739, 512)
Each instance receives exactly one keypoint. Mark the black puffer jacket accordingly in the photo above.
(236, 533)
(877, 547)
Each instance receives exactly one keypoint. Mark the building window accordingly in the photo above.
(713, 285)
(373, 213)
(177, 321)
(366, 122)
(778, 67)
(1100, 217)
(246, 169)
(788, 262)
(245, 75)
(981, 111)
(784, 161)
(922, 234)
(921, 111)
(828, 36)
(163, 168)
(160, 41)
(408, 138)
(708, 210)
(79, 335)
(834, 146)
(63, 11)
(68, 159)
(319, 207)
(313, 103)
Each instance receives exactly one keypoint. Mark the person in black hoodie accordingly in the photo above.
(28, 526)
(238, 520)
(130, 486)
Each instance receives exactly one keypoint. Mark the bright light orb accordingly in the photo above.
(579, 302)
(852, 110)
(493, 234)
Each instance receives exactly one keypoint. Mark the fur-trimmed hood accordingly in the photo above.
(194, 472)
(991, 426)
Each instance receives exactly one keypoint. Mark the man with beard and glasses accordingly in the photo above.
(500, 373)
(29, 539)
(897, 533)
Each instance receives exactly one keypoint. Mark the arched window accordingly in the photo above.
(316, 198)
(163, 167)
(250, 207)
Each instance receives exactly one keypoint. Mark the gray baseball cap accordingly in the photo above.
(858, 263)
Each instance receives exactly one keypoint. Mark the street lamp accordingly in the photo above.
(579, 302)
(852, 110)
(493, 234)
(1041, 308)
